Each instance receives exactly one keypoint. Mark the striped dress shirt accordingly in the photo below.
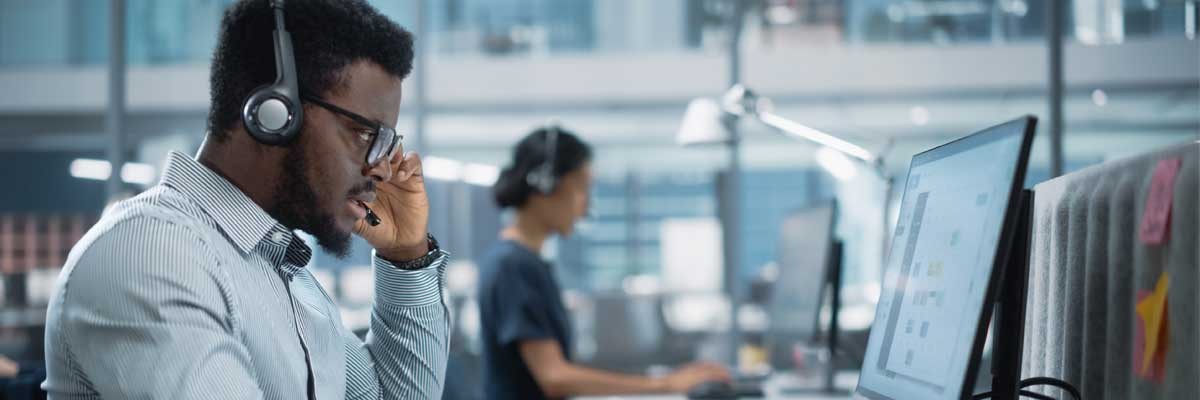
(192, 291)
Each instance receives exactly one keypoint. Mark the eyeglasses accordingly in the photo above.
(384, 140)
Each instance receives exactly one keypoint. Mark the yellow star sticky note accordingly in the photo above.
(1153, 312)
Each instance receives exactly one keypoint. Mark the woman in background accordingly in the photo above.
(526, 331)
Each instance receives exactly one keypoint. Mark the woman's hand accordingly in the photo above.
(684, 378)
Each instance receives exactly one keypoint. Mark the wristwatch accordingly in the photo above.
(422, 261)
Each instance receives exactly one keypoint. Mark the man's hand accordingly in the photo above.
(403, 207)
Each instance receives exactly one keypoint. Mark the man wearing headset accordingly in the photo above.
(197, 287)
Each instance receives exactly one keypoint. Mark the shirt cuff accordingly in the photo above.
(409, 288)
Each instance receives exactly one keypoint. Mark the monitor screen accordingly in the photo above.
(939, 273)
(805, 243)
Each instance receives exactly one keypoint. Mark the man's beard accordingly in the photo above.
(297, 206)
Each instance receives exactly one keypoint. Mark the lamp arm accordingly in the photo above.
(797, 130)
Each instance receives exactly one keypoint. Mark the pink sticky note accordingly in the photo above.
(1157, 217)
(1158, 365)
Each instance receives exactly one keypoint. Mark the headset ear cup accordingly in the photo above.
(541, 179)
(273, 113)
(271, 117)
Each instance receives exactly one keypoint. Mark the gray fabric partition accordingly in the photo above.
(1087, 266)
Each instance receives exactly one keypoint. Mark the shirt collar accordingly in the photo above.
(242, 220)
(285, 250)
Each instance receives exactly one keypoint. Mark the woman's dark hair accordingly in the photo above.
(512, 189)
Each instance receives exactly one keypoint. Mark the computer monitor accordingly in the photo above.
(805, 250)
(810, 265)
(945, 266)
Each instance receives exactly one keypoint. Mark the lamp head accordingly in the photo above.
(704, 122)
(708, 121)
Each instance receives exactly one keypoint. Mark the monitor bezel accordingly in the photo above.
(1006, 236)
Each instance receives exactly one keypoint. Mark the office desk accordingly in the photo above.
(844, 381)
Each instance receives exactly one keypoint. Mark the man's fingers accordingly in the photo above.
(414, 160)
(410, 166)
(396, 162)
(406, 168)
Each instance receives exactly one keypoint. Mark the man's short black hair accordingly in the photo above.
(327, 36)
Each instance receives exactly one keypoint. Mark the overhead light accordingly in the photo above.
(142, 174)
(446, 169)
(480, 174)
(99, 170)
(442, 168)
(1099, 97)
(919, 115)
(838, 165)
(90, 169)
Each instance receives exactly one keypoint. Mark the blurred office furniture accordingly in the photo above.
(1091, 272)
(809, 275)
(628, 330)
(774, 388)
(464, 369)
(691, 255)
(691, 260)
(33, 248)
(692, 272)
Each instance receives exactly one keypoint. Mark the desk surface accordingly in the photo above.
(844, 381)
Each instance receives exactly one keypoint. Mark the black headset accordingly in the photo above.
(272, 113)
(542, 178)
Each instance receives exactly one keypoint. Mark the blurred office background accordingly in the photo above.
(895, 76)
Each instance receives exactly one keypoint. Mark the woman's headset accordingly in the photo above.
(272, 113)
(541, 177)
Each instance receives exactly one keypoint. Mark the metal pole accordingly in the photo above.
(833, 272)
(419, 80)
(114, 121)
(633, 226)
(460, 217)
(733, 189)
(1054, 33)
(886, 228)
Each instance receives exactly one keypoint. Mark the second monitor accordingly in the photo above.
(809, 260)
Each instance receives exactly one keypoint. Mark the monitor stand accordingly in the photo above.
(1008, 317)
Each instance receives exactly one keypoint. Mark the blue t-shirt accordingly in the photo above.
(519, 299)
